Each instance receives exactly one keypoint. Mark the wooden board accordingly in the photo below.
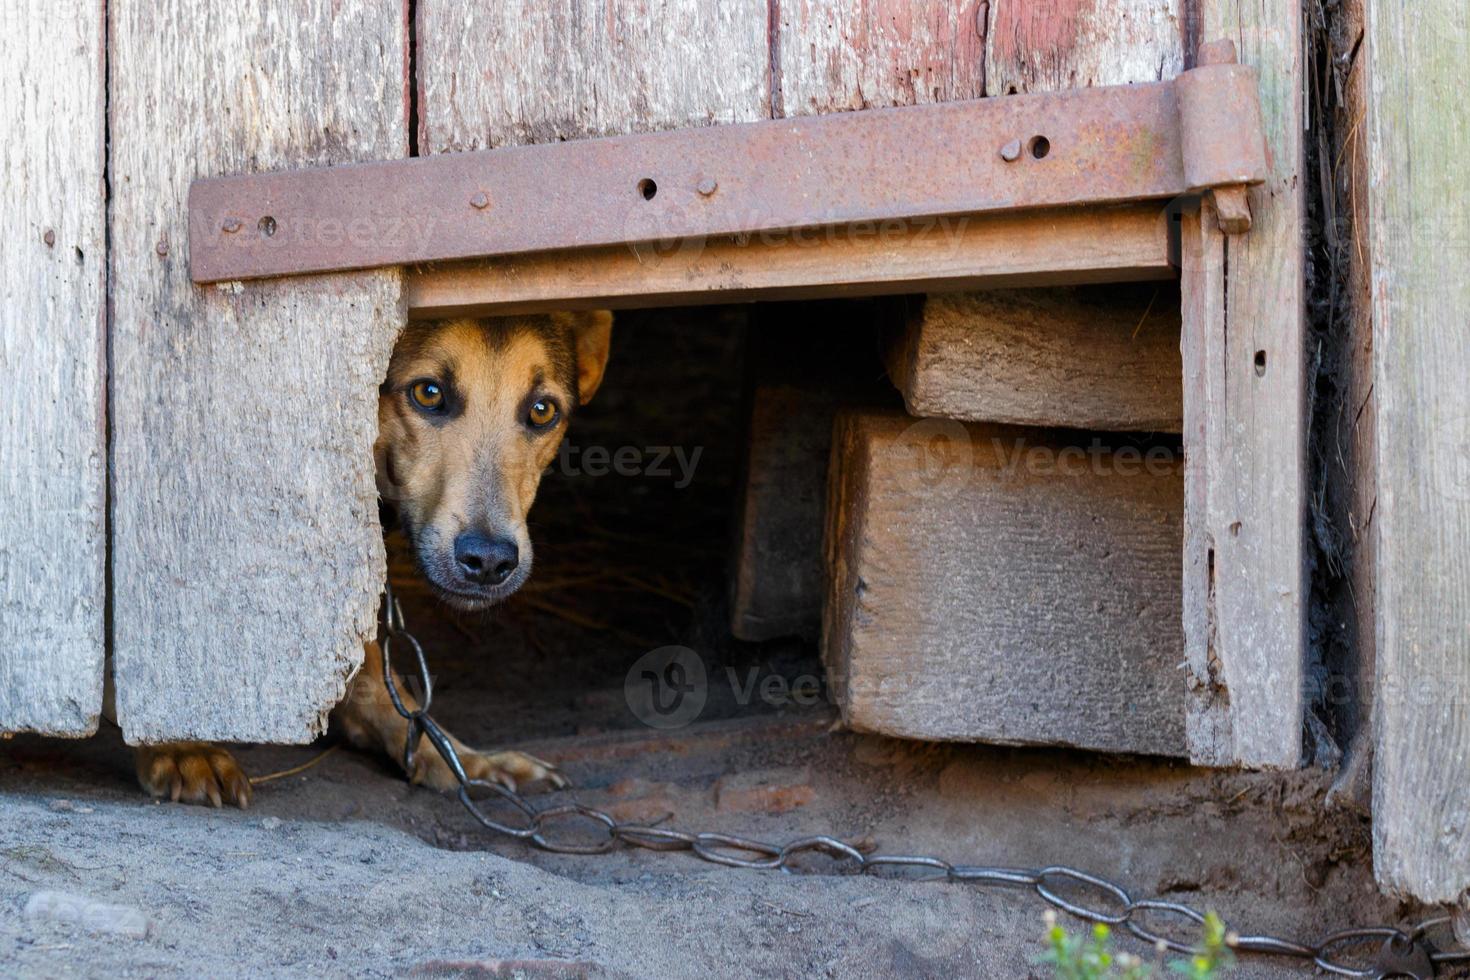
(805, 361)
(1419, 164)
(868, 54)
(520, 72)
(1003, 584)
(1065, 245)
(1100, 358)
(875, 53)
(247, 554)
(1245, 569)
(1060, 44)
(52, 356)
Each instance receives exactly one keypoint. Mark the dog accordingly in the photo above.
(471, 415)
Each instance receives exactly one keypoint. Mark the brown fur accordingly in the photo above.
(473, 467)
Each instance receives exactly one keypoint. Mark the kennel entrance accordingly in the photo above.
(1083, 186)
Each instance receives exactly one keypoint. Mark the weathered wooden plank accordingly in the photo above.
(877, 53)
(1067, 245)
(1043, 47)
(1087, 359)
(804, 362)
(525, 72)
(1004, 584)
(1419, 164)
(1245, 589)
(247, 554)
(52, 357)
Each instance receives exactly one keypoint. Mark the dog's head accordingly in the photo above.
(470, 416)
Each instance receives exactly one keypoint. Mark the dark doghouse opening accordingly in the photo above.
(635, 530)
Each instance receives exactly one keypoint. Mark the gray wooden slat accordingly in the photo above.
(247, 554)
(500, 74)
(52, 351)
(1419, 230)
(1083, 358)
(1245, 418)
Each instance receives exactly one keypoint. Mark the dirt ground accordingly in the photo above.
(344, 870)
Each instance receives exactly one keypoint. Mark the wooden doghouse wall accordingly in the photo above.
(243, 413)
(245, 551)
(245, 556)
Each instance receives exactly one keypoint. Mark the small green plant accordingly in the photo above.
(1091, 956)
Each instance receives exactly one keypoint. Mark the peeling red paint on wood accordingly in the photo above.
(1043, 47)
(1025, 33)
(879, 53)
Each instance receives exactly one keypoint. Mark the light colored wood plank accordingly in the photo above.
(518, 72)
(52, 357)
(1419, 164)
(869, 54)
(1088, 359)
(1061, 44)
(247, 554)
(1245, 570)
(1055, 246)
(1003, 584)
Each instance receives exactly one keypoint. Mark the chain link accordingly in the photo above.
(1114, 906)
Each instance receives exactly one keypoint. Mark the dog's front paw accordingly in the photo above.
(193, 772)
(509, 769)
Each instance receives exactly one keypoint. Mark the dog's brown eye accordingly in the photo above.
(542, 413)
(427, 395)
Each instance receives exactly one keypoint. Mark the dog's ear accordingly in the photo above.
(592, 336)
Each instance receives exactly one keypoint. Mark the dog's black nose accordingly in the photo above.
(485, 561)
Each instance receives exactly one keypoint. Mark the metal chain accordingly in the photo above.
(1399, 952)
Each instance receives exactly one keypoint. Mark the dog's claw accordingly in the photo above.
(193, 772)
(509, 769)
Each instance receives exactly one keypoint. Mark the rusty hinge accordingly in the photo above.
(1199, 133)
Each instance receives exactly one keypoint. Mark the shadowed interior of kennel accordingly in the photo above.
(720, 531)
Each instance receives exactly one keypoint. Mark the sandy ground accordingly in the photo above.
(345, 870)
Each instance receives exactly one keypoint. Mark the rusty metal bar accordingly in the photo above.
(1088, 147)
